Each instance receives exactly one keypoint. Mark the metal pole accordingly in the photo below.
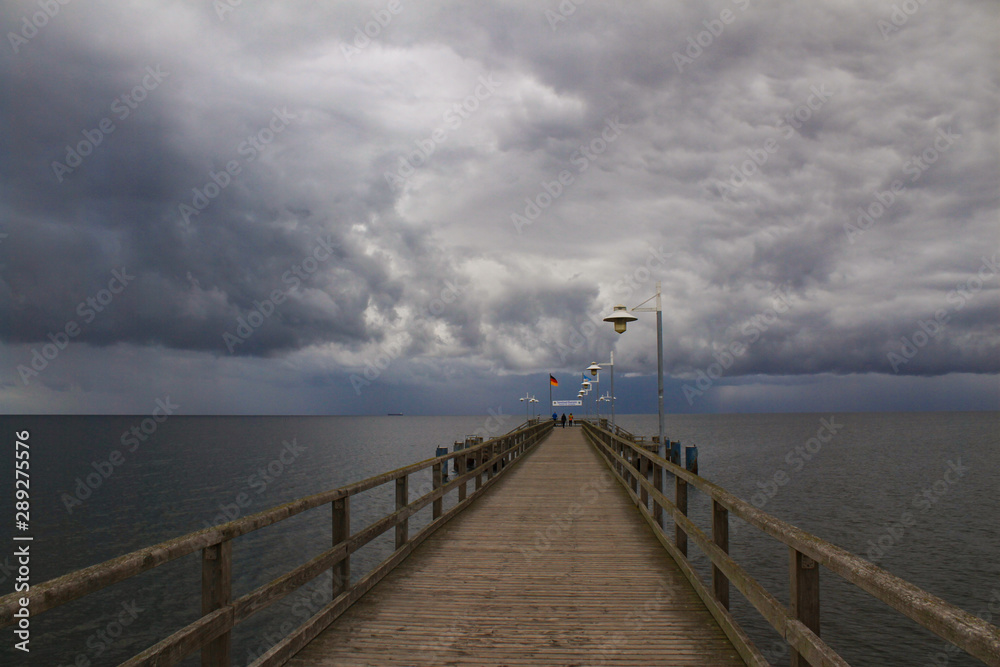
(612, 391)
(659, 358)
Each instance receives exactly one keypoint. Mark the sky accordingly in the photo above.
(369, 207)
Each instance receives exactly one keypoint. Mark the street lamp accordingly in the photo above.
(595, 368)
(527, 399)
(533, 400)
(620, 317)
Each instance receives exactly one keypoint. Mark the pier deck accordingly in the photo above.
(554, 566)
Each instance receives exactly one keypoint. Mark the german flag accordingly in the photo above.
(554, 382)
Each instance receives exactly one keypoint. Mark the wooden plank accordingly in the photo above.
(290, 645)
(552, 567)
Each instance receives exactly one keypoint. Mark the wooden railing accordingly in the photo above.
(483, 463)
(798, 624)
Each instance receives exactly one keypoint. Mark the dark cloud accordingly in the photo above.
(751, 136)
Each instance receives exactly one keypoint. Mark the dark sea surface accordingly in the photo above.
(863, 489)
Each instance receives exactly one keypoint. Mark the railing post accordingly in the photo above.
(658, 485)
(438, 505)
(681, 500)
(720, 536)
(477, 461)
(644, 473)
(463, 467)
(634, 472)
(216, 593)
(402, 500)
(804, 588)
(341, 531)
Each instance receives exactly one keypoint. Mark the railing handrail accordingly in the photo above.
(79, 583)
(953, 624)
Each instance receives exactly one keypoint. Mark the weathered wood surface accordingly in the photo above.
(552, 567)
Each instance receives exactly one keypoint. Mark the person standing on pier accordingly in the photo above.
(564, 420)
(571, 419)
(555, 418)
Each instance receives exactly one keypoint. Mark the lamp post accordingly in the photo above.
(620, 317)
(527, 399)
(594, 369)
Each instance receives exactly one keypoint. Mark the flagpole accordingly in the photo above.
(550, 391)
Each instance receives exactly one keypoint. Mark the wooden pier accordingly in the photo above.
(553, 567)
(562, 548)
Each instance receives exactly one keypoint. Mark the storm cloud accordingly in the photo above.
(437, 197)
